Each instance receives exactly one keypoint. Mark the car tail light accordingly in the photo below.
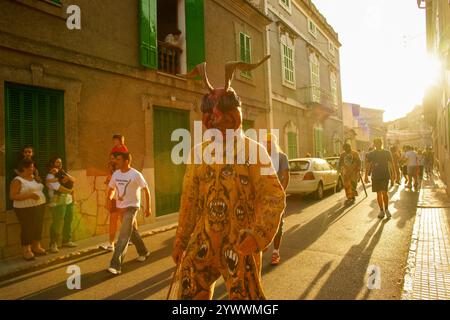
(309, 176)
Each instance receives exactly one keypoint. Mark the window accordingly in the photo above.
(333, 87)
(331, 48)
(288, 64)
(292, 145)
(245, 52)
(312, 28)
(315, 77)
(34, 116)
(336, 144)
(298, 166)
(318, 141)
(286, 4)
(157, 19)
(247, 124)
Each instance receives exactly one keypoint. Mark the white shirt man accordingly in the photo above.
(127, 184)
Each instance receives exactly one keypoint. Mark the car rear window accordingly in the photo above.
(333, 162)
(299, 165)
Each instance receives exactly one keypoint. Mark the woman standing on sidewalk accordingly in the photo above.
(61, 203)
(29, 205)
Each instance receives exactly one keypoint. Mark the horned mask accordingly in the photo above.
(221, 106)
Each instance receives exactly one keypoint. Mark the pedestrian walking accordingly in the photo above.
(229, 213)
(126, 184)
(396, 157)
(60, 190)
(421, 164)
(114, 214)
(29, 205)
(410, 157)
(281, 164)
(429, 162)
(350, 167)
(378, 163)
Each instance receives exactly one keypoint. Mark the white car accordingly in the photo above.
(311, 175)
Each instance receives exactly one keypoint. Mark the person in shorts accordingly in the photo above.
(378, 162)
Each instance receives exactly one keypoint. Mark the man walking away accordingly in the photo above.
(378, 163)
(128, 183)
(412, 165)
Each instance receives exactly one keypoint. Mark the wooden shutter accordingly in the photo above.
(195, 32)
(292, 145)
(148, 34)
(34, 116)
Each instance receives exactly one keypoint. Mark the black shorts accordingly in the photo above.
(380, 185)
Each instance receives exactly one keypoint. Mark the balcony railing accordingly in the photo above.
(168, 58)
(314, 95)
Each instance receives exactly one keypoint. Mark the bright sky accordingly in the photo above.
(384, 63)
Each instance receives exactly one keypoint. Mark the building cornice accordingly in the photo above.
(246, 10)
(45, 50)
(310, 10)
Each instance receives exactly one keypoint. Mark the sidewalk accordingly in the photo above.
(16, 266)
(428, 266)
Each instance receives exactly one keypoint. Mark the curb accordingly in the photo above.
(407, 293)
(74, 255)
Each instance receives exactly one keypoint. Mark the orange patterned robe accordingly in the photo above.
(218, 201)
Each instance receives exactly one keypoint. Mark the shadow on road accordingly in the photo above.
(347, 280)
(303, 236)
(92, 279)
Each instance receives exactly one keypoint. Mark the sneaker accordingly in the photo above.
(114, 271)
(144, 257)
(109, 247)
(275, 259)
(388, 214)
(381, 214)
(69, 244)
(54, 248)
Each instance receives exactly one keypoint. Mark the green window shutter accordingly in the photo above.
(318, 141)
(245, 52)
(292, 145)
(247, 124)
(148, 34)
(242, 46)
(34, 116)
(195, 32)
(247, 49)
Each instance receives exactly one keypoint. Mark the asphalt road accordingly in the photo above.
(327, 252)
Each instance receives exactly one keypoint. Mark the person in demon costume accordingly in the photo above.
(229, 213)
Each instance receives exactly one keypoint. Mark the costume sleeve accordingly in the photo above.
(270, 201)
(357, 162)
(188, 212)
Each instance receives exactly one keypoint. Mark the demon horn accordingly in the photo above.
(231, 66)
(199, 70)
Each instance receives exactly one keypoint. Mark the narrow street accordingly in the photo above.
(326, 252)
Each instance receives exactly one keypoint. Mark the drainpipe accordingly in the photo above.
(269, 70)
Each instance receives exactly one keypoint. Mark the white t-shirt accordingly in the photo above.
(29, 187)
(54, 186)
(412, 158)
(128, 187)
